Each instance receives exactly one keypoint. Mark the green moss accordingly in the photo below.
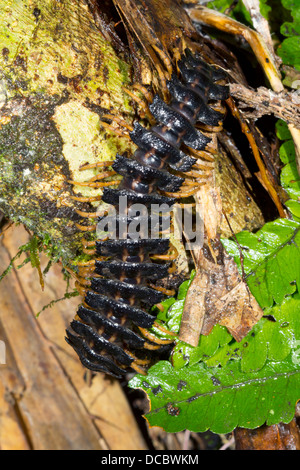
(57, 50)
(58, 75)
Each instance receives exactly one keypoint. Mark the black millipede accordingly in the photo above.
(109, 332)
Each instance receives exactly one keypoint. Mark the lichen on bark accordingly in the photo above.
(58, 75)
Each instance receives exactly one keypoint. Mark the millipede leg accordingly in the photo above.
(103, 175)
(89, 252)
(164, 330)
(88, 243)
(84, 282)
(168, 256)
(153, 338)
(172, 269)
(109, 127)
(188, 193)
(92, 184)
(167, 292)
(160, 307)
(90, 166)
(88, 263)
(201, 154)
(138, 369)
(81, 289)
(88, 215)
(86, 199)
(164, 257)
(119, 121)
(144, 91)
(86, 228)
(165, 59)
(144, 107)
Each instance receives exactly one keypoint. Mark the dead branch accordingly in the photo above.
(283, 105)
(257, 43)
(261, 25)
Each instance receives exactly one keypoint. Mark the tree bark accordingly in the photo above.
(58, 75)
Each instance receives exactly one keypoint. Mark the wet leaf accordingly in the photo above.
(220, 399)
(273, 338)
(271, 260)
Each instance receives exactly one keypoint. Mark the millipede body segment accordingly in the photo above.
(108, 332)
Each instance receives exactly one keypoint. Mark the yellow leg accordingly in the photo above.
(119, 121)
(189, 193)
(167, 292)
(92, 184)
(165, 59)
(88, 215)
(142, 104)
(138, 369)
(102, 176)
(109, 127)
(144, 91)
(90, 166)
(86, 199)
(153, 338)
(164, 330)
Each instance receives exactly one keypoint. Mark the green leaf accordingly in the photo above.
(290, 180)
(239, 12)
(271, 260)
(272, 338)
(289, 177)
(220, 399)
(289, 49)
(282, 130)
(184, 354)
(173, 308)
(287, 152)
(294, 208)
(289, 52)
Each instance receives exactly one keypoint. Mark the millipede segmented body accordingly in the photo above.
(108, 333)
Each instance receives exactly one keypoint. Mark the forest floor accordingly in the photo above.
(47, 401)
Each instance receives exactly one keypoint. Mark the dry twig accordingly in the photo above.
(257, 43)
(262, 101)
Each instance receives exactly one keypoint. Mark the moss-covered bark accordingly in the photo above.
(57, 76)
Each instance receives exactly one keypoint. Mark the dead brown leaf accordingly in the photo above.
(218, 295)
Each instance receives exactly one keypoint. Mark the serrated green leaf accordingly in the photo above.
(272, 338)
(294, 208)
(271, 260)
(289, 51)
(220, 399)
(184, 354)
